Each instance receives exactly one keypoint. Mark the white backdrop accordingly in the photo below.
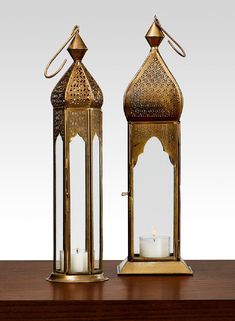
(31, 31)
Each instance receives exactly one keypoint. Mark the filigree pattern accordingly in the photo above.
(153, 94)
(78, 91)
(58, 93)
(168, 134)
(95, 89)
(77, 88)
(58, 123)
(77, 124)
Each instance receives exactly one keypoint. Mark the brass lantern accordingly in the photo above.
(77, 145)
(153, 104)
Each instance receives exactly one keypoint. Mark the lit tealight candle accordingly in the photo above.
(79, 261)
(154, 246)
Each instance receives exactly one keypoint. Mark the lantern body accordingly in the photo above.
(153, 104)
(77, 101)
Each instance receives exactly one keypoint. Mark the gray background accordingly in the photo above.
(31, 31)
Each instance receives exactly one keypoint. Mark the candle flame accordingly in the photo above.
(154, 233)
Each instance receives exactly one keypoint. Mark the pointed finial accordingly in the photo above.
(75, 29)
(154, 35)
(77, 47)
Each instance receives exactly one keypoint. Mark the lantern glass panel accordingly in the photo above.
(153, 198)
(59, 203)
(96, 200)
(79, 258)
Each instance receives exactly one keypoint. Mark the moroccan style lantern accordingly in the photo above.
(77, 144)
(153, 104)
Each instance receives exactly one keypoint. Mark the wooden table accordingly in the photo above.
(208, 295)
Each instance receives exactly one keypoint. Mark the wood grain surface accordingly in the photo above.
(208, 295)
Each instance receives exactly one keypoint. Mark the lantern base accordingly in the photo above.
(161, 267)
(76, 278)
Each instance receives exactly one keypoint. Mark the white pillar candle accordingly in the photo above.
(79, 261)
(157, 246)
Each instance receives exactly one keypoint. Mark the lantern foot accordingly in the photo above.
(161, 267)
(76, 278)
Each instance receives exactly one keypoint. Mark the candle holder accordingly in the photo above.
(77, 145)
(153, 104)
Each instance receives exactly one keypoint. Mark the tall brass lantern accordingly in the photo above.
(153, 104)
(77, 144)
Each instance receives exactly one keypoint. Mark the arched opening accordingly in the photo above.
(153, 194)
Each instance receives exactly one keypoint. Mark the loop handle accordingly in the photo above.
(75, 30)
(180, 51)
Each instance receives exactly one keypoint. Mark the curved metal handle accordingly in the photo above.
(75, 30)
(180, 51)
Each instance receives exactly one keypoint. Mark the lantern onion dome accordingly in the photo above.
(153, 94)
(77, 88)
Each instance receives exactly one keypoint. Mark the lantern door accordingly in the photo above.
(153, 191)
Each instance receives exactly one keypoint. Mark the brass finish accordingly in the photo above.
(166, 132)
(154, 93)
(62, 278)
(153, 104)
(77, 88)
(77, 42)
(77, 101)
(175, 267)
(154, 35)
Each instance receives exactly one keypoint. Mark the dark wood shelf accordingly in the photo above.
(208, 295)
